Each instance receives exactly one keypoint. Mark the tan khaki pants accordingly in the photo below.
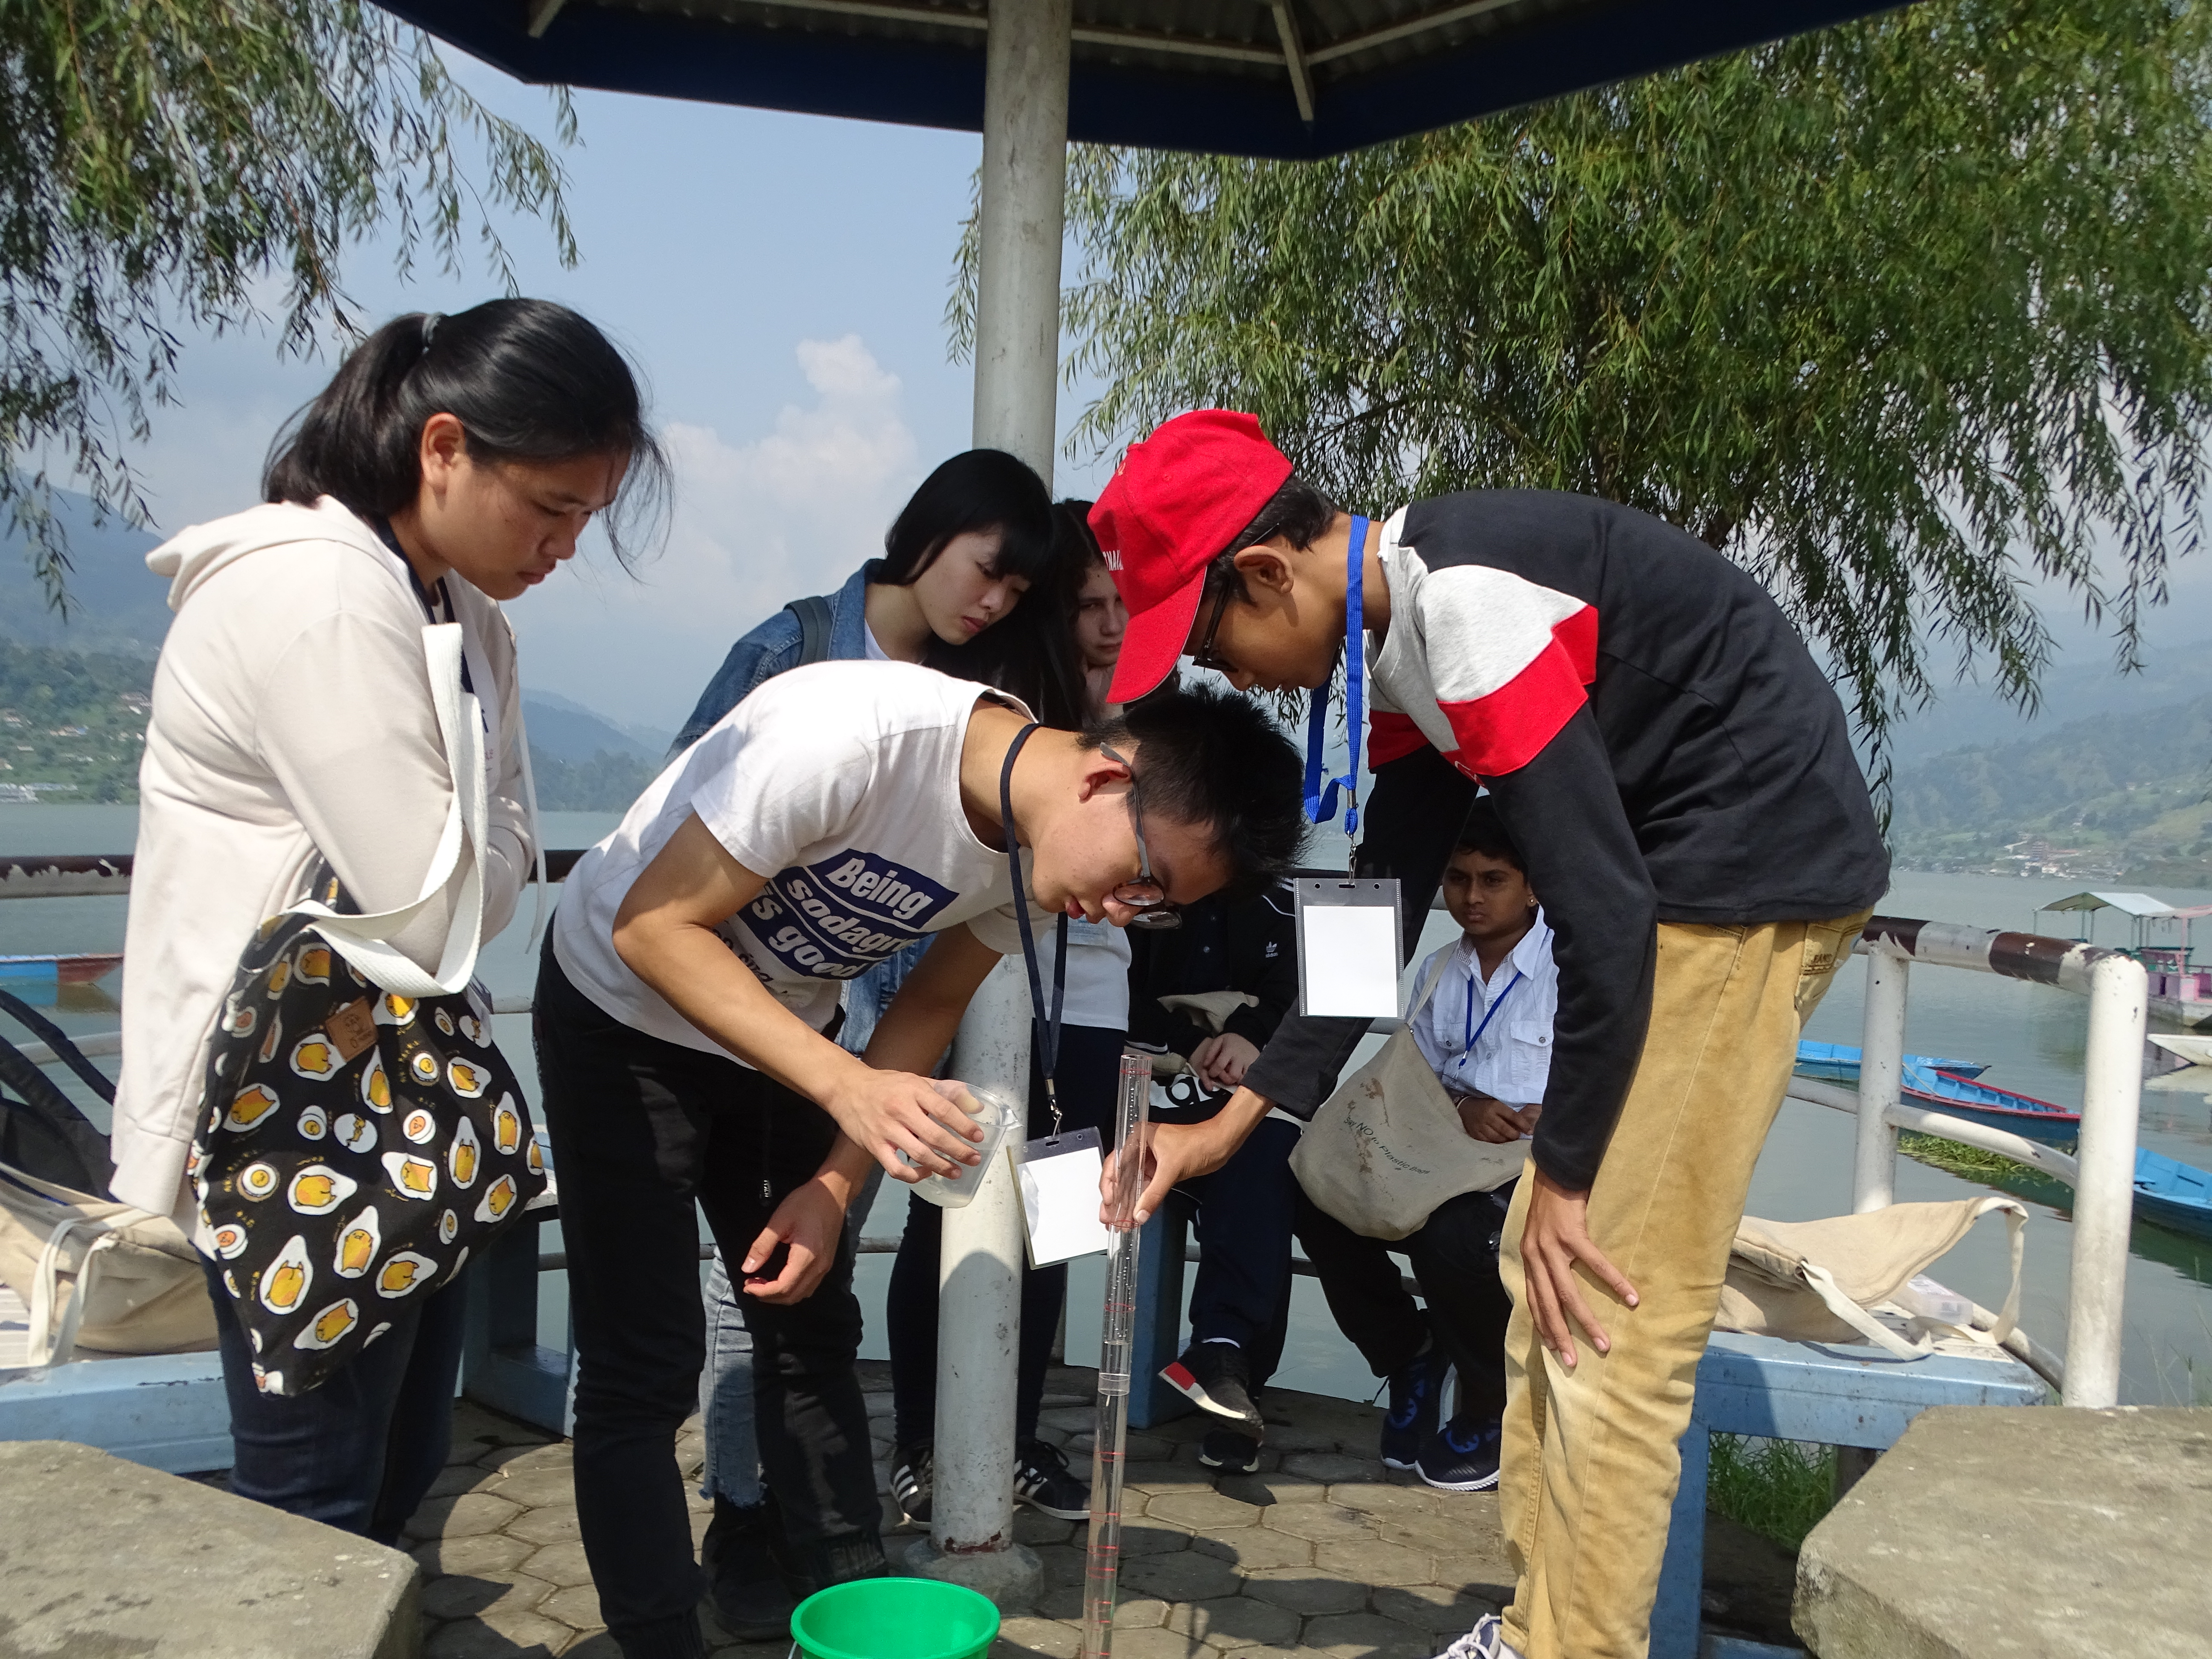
(1591, 1460)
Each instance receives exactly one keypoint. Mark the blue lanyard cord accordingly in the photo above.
(1474, 1031)
(1048, 1029)
(1321, 804)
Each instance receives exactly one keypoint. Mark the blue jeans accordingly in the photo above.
(360, 1452)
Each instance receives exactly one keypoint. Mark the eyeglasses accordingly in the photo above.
(1144, 895)
(1205, 656)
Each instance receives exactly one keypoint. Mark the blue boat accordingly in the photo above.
(1982, 1103)
(1837, 1062)
(2173, 1194)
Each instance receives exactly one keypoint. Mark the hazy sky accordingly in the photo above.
(782, 279)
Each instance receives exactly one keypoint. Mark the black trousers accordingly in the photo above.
(1244, 1214)
(643, 1130)
(1454, 1257)
(1087, 1076)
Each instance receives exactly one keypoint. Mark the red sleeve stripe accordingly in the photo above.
(1391, 737)
(1504, 731)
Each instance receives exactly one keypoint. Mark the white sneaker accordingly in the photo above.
(1485, 1641)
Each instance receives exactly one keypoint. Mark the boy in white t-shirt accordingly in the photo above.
(684, 1006)
(1486, 1030)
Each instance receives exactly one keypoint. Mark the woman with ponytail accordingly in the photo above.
(450, 464)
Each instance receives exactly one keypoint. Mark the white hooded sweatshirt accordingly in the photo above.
(291, 716)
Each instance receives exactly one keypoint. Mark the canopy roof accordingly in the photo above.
(1288, 79)
(2134, 904)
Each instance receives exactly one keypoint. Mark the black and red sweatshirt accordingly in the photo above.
(1659, 745)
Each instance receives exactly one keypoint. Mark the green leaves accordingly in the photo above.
(1899, 316)
(166, 164)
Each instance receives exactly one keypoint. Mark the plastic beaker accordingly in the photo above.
(894, 1619)
(997, 1114)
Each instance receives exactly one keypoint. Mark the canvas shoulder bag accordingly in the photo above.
(1389, 1146)
(97, 1274)
(361, 1133)
(1823, 1281)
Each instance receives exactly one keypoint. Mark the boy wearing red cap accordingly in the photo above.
(1659, 741)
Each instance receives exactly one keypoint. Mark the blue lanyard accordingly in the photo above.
(1474, 1032)
(1320, 805)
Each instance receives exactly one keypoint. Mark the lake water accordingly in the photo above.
(2032, 1036)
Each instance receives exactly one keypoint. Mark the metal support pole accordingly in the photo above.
(1881, 1070)
(1023, 205)
(2104, 1199)
(979, 1330)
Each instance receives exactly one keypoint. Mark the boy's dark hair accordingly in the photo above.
(1484, 832)
(529, 380)
(1207, 756)
(1297, 512)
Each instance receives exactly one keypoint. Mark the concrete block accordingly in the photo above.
(98, 1555)
(1995, 1533)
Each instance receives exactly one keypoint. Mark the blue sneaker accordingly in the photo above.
(1416, 1404)
(1461, 1456)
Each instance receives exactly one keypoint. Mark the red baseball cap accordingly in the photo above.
(1179, 499)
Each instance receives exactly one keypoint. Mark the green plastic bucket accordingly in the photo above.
(894, 1619)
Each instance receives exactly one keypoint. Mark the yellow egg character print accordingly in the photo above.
(425, 1067)
(315, 1123)
(375, 1087)
(274, 1040)
(411, 1177)
(419, 1125)
(392, 1009)
(330, 1325)
(466, 1080)
(404, 1273)
(355, 1132)
(359, 1240)
(258, 1180)
(317, 1189)
(249, 1106)
(462, 1157)
(229, 1240)
(239, 1021)
(449, 1227)
(507, 1126)
(312, 965)
(498, 1198)
(536, 1157)
(280, 976)
(286, 1279)
(472, 1029)
(445, 1021)
(314, 1059)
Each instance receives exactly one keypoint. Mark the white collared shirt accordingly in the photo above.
(1509, 1018)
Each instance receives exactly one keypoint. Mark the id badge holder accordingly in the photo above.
(1059, 1179)
(1348, 928)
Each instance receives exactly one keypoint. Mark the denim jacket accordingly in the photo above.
(773, 647)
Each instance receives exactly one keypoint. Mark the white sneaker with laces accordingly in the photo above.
(1485, 1641)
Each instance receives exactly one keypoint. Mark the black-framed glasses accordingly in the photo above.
(1205, 656)
(1144, 895)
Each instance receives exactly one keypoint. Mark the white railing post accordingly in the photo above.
(1881, 1073)
(2105, 1197)
(979, 1328)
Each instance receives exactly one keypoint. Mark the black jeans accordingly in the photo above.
(642, 1130)
(360, 1452)
(1454, 1257)
(1245, 1212)
(1087, 1076)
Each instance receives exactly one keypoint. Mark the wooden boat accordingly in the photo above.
(1838, 1062)
(1982, 1103)
(2173, 1194)
(81, 969)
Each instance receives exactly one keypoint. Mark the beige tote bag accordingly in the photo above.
(1820, 1281)
(99, 1275)
(1388, 1146)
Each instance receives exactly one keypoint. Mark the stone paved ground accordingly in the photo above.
(1322, 1552)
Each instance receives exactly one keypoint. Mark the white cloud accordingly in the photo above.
(756, 523)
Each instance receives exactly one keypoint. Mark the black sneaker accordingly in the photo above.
(913, 1482)
(1416, 1407)
(1213, 1373)
(1230, 1451)
(1044, 1481)
(1461, 1456)
(743, 1578)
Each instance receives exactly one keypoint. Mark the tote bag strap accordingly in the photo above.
(53, 1343)
(364, 941)
(1429, 981)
